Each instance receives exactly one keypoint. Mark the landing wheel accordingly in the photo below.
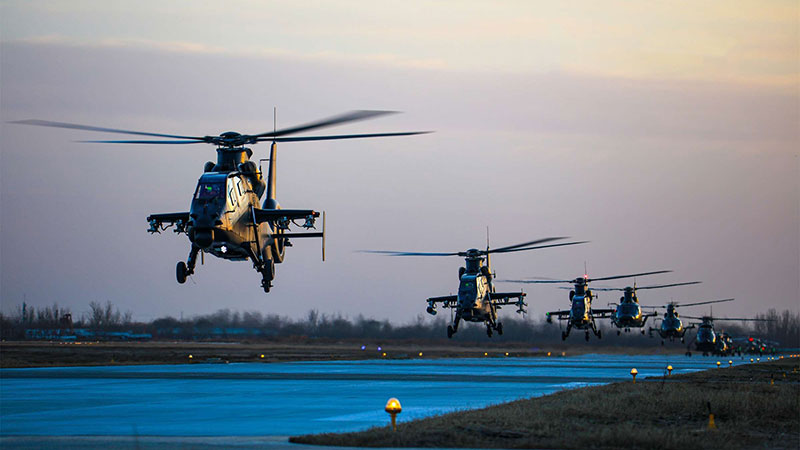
(662, 342)
(599, 334)
(500, 328)
(450, 331)
(563, 335)
(688, 353)
(266, 285)
(642, 332)
(618, 332)
(682, 341)
(180, 272)
(489, 330)
(587, 336)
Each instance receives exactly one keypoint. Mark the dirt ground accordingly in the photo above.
(754, 406)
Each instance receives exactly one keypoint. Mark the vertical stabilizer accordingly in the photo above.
(270, 202)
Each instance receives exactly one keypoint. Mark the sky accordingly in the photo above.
(666, 133)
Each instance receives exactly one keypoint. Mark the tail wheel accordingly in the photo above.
(180, 272)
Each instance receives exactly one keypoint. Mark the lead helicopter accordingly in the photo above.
(226, 218)
(707, 341)
(628, 313)
(477, 300)
(581, 315)
(671, 326)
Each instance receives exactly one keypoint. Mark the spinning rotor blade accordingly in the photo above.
(703, 303)
(628, 276)
(341, 136)
(717, 319)
(524, 244)
(657, 286)
(536, 281)
(47, 123)
(393, 253)
(539, 246)
(351, 116)
(143, 142)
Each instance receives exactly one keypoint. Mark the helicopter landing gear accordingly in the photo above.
(563, 335)
(499, 328)
(267, 274)
(599, 334)
(183, 270)
(689, 354)
(450, 331)
(488, 330)
(180, 272)
(662, 342)
(618, 332)
(587, 335)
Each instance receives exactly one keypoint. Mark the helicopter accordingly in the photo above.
(477, 300)
(581, 315)
(226, 218)
(628, 313)
(671, 326)
(707, 341)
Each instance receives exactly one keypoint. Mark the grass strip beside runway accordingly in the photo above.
(754, 406)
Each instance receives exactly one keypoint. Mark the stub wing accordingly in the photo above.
(267, 215)
(603, 313)
(447, 300)
(169, 217)
(160, 222)
(509, 298)
(558, 314)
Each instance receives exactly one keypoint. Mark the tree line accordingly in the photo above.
(224, 324)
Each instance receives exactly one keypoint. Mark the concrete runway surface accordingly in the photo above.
(254, 404)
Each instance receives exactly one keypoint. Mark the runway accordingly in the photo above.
(280, 399)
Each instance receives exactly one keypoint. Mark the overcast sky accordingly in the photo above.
(665, 133)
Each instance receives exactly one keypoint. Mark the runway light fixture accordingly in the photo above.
(506, 353)
(730, 363)
(563, 353)
(393, 408)
(384, 354)
(548, 353)
(420, 353)
(262, 356)
(718, 364)
(751, 360)
(485, 353)
(669, 370)
(634, 372)
(363, 347)
(190, 356)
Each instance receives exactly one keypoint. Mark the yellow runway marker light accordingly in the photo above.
(718, 364)
(634, 372)
(393, 408)
(669, 370)
(730, 363)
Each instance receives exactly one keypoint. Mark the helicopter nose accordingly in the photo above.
(204, 238)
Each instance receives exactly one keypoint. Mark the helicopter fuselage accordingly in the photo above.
(474, 302)
(220, 217)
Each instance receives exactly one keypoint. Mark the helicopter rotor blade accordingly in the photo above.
(142, 142)
(396, 253)
(641, 274)
(351, 116)
(536, 281)
(341, 136)
(524, 244)
(74, 126)
(703, 303)
(537, 247)
(659, 286)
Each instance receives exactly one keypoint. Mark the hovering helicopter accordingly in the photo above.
(226, 218)
(477, 300)
(628, 313)
(581, 315)
(671, 326)
(758, 346)
(707, 341)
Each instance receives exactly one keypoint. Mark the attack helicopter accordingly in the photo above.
(671, 326)
(581, 315)
(477, 300)
(628, 313)
(226, 218)
(707, 340)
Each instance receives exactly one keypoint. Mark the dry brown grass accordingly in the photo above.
(654, 414)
